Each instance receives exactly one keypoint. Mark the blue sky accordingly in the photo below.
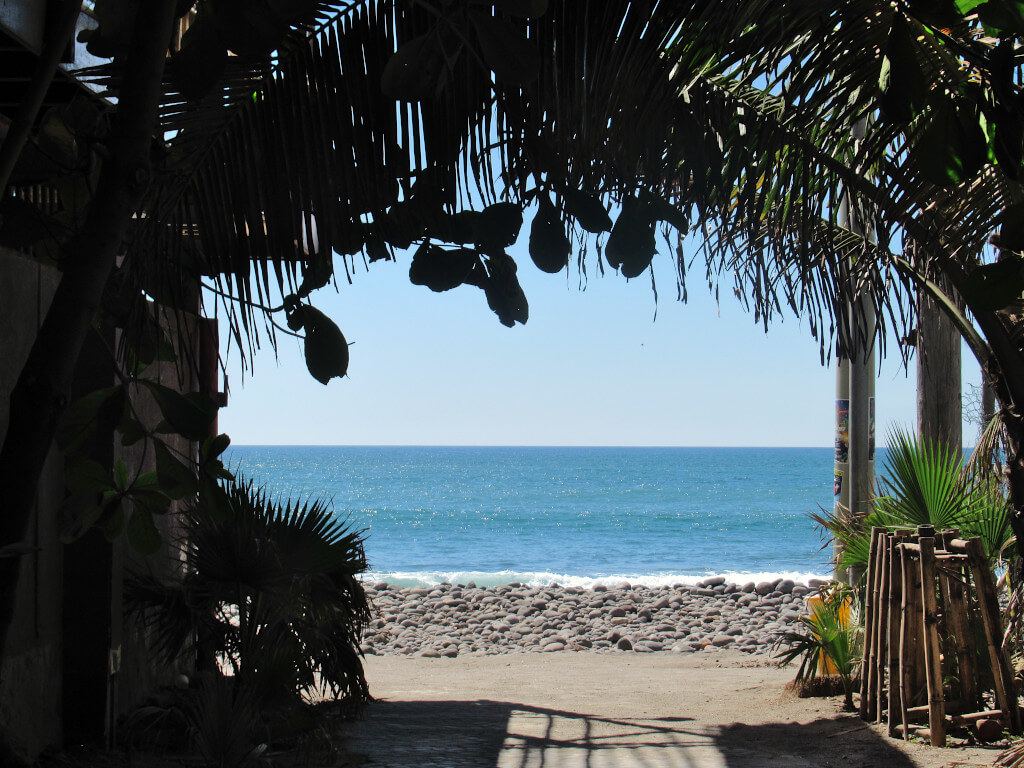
(591, 367)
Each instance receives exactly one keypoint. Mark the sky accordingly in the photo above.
(606, 365)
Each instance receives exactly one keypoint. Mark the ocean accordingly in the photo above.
(575, 516)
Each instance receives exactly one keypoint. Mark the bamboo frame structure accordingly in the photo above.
(925, 590)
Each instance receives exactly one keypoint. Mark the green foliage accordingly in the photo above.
(122, 502)
(827, 642)
(925, 484)
(271, 590)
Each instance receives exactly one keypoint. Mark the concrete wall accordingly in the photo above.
(59, 686)
(30, 682)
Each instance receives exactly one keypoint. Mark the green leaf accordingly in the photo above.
(506, 51)
(498, 225)
(937, 13)
(442, 269)
(111, 521)
(549, 245)
(83, 475)
(177, 480)
(212, 447)
(213, 500)
(587, 210)
(98, 410)
(79, 513)
(1006, 15)
(189, 415)
(952, 147)
(1011, 228)
(418, 70)
(121, 475)
(326, 348)
(504, 295)
(964, 7)
(991, 287)
(901, 82)
(131, 431)
(631, 246)
(142, 533)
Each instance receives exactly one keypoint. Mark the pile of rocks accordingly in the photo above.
(450, 620)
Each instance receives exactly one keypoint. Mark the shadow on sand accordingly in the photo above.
(497, 734)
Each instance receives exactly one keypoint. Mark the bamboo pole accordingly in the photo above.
(882, 625)
(895, 635)
(932, 651)
(869, 670)
(919, 680)
(989, 608)
(959, 627)
(906, 630)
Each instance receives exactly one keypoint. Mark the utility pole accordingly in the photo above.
(855, 397)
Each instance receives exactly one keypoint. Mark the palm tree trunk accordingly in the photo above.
(40, 395)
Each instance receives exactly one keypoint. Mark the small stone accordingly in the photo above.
(764, 588)
(624, 644)
(429, 653)
(748, 587)
(720, 641)
(550, 647)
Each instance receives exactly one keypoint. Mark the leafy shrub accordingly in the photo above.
(827, 645)
(270, 594)
(924, 483)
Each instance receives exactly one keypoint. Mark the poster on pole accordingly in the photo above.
(842, 431)
(871, 429)
(837, 486)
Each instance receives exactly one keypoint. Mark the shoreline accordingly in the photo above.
(450, 620)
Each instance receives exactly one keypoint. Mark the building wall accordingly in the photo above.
(30, 681)
(74, 661)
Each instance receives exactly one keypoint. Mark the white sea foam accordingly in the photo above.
(545, 578)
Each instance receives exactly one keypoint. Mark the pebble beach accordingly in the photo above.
(451, 620)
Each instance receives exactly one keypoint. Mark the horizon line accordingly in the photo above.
(509, 445)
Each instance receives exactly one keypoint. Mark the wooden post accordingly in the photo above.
(895, 634)
(869, 669)
(932, 661)
(988, 606)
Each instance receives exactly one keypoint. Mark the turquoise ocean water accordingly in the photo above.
(576, 516)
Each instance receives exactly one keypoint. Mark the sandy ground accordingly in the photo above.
(587, 710)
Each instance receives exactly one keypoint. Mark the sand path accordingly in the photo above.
(587, 710)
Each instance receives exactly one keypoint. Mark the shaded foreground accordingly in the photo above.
(719, 709)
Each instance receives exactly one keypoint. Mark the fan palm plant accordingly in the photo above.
(924, 483)
(271, 593)
(827, 642)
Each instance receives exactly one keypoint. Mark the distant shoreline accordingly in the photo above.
(553, 446)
